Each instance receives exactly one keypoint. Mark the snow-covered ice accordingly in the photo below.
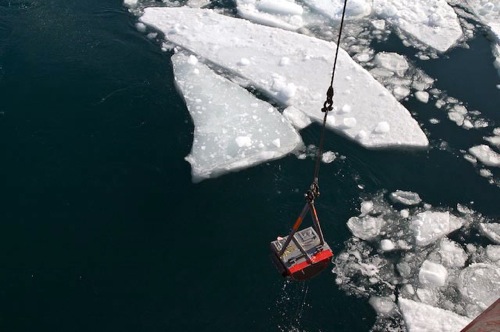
(420, 317)
(432, 23)
(233, 129)
(380, 121)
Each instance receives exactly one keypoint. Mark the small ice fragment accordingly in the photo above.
(451, 254)
(393, 62)
(386, 245)
(485, 173)
(491, 231)
(434, 121)
(422, 96)
(130, 3)
(365, 228)
(328, 157)
(430, 226)
(405, 197)
(382, 128)
(401, 92)
(349, 122)
(366, 207)
(405, 213)
(277, 143)
(493, 252)
(494, 140)
(432, 274)
(141, 27)
(486, 155)
(384, 306)
(378, 24)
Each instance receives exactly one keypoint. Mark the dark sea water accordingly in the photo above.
(101, 228)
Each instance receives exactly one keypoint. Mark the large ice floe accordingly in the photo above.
(294, 70)
(403, 257)
(233, 129)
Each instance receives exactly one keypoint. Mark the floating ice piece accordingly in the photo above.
(493, 252)
(225, 40)
(281, 14)
(433, 23)
(421, 317)
(480, 285)
(494, 140)
(384, 306)
(365, 228)
(328, 157)
(432, 274)
(422, 96)
(491, 231)
(451, 254)
(393, 62)
(405, 197)
(233, 129)
(333, 9)
(366, 207)
(387, 245)
(130, 3)
(430, 226)
(486, 155)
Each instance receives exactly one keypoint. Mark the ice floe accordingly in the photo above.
(411, 260)
(432, 23)
(486, 155)
(376, 120)
(420, 317)
(233, 129)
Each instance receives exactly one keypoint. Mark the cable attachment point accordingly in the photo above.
(312, 193)
(328, 105)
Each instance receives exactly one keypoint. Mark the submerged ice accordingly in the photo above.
(233, 129)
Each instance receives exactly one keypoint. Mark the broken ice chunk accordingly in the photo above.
(405, 197)
(365, 228)
(423, 317)
(384, 306)
(233, 129)
(480, 285)
(486, 155)
(430, 226)
(432, 274)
